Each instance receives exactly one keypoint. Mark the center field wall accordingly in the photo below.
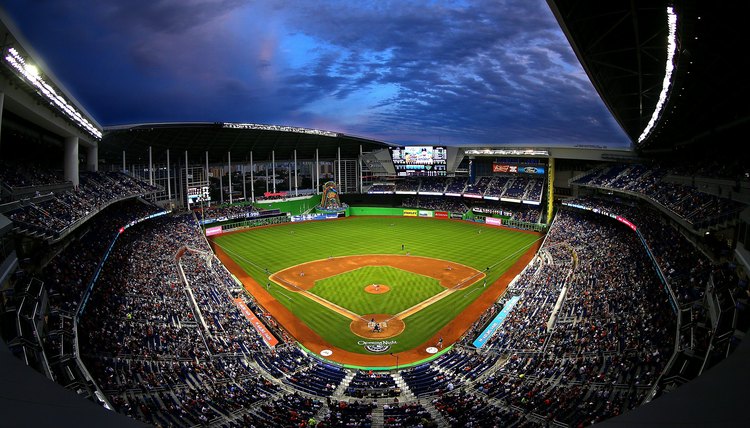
(376, 211)
(294, 207)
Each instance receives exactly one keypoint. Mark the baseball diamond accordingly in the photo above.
(325, 294)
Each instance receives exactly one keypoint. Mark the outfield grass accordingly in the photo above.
(279, 247)
(406, 290)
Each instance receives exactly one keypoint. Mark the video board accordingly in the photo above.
(419, 160)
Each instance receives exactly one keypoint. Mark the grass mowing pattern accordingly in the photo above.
(279, 247)
(406, 290)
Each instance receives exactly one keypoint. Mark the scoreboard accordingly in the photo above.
(419, 160)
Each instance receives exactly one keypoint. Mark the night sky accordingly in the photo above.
(435, 72)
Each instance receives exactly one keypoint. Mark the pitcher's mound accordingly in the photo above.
(377, 288)
(383, 326)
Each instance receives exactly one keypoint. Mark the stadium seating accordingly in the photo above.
(684, 201)
(167, 345)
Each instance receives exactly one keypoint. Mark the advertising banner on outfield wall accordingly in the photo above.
(306, 217)
(457, 216)
(268, 338)
(441, 214)
(493, 221)
(216, 230)
(423, 213)
(410, 213)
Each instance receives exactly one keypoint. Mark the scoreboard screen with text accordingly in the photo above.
(419, 160)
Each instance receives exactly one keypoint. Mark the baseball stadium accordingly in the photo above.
(242, 274)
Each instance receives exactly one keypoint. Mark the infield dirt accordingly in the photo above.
(450, 333)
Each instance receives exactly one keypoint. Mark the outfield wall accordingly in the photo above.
(294, 207)
(375, 211)
(470, 216)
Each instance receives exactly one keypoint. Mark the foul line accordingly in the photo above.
(401, 315)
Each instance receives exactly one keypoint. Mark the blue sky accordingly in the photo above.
(450, 72)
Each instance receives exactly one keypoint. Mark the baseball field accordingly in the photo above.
(369, 285)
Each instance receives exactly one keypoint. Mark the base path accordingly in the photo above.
(313, 342)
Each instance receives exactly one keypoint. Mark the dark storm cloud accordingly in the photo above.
(458, 72)
(490, 72)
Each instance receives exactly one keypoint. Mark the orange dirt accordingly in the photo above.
(313, 342)
(393, 327)
(303, 276)
(380, 289)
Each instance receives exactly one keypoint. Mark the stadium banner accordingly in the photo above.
(499, 167)
(320, 216)
(268, 338)
(493, 221)
(410, 213)
(274, 195)
(425, 213)
(216, 230)
(496, 322)
(441, 214)
(531, 169)
(515, 169)
(626, 222)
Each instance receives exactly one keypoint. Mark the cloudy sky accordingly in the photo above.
(450, 72)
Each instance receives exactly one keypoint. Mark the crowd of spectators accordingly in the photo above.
(437, 203)
(456, 186)
(690, 273)
(611, 338)
(494, 187)
(66, 277)
(224, 212)
(433, 185)
(685, 201)
(407, 185)
(378, 188)
(165, 346)
(684, 266)
(165, 341)
(520, 212)
(372, 384)
(477, 188)
(407, 415)
(17, 175)
(472, 410)
(52, 214)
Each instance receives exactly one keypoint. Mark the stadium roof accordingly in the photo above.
(623, 48)
(238, 138)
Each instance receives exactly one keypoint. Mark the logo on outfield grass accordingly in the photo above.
(377, 347)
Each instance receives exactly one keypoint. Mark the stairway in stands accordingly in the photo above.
(406, 394)
(338, 393)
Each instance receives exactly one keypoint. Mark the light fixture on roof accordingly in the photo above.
(667, 82)
(30, 73)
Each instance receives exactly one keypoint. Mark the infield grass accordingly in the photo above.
(279, 247)
(406, 290)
